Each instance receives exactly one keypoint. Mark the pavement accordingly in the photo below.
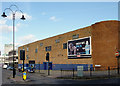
(42, 78)
(53, 74)
(36, 76)
(19, 79)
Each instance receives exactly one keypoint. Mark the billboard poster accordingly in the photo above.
(79, 48)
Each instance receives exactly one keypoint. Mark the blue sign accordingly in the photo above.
(24, 73)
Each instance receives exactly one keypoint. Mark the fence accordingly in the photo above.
(85, 72)
(92, 72)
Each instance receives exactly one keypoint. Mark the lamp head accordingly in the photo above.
(4, 15)
(23, 18)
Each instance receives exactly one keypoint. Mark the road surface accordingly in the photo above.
(36, 78)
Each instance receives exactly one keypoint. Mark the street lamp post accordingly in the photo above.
(23, 18)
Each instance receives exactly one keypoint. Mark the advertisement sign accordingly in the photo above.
(79, 48)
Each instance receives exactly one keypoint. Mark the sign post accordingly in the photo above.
(118, 56)
(118, 64)
(47, 58)
(22, 57)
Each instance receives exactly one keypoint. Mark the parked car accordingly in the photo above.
(10, 68)
(31, 70)
(5, 66)
(21, 69)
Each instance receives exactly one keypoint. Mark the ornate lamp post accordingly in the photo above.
(23, 18)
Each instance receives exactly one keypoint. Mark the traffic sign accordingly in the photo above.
(117, 53)
(22, 54)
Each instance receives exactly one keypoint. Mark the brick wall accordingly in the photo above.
(104, 39)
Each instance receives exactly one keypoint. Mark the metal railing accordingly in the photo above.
(91, 72)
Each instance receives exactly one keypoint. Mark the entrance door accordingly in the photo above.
(50, 64)
(32, 65)
(45, 65)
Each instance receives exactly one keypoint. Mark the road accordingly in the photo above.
(37, 78)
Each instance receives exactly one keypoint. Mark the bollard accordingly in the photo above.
(118, 66)
(24, 75)
(73, 72)
(108, 72)
(61, 72)
(90, 71)
(39, 66)
(48, 68)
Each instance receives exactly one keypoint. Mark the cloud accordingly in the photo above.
(19, 42)
(43, 13)
(2, 21)
(2, 40)
(18, 25)
(28, 17)
(2, 48)
(6, 28)
(53, 18)
(26, 39)
(18, 15)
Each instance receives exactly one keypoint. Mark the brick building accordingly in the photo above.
(91, 46)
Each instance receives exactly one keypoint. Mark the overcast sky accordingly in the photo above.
(47, 19)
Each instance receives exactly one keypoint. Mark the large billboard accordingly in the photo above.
(79, 48)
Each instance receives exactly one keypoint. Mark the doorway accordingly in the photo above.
(46, 65)
(50, 64)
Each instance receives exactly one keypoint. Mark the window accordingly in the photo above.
(27, 49)
(26, 56)
(57, 40)
(48, 48)
(36, 50)
(75, 36)
(6, 54)
(64, 45)
(41, 44)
